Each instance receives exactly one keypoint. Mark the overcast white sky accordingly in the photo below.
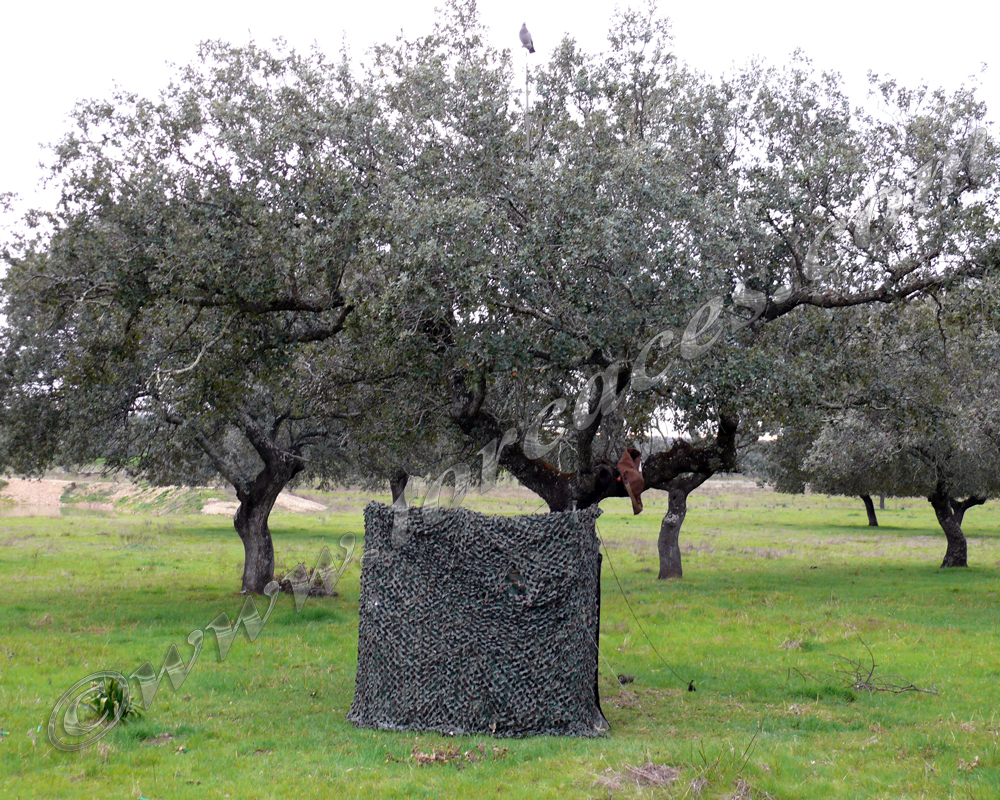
(55, 53)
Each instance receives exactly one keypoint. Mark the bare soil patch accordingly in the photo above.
(34, 493)
(285, 502)
(48, 492)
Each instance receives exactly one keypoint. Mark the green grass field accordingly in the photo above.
(782, 599)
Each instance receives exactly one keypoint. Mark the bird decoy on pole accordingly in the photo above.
(526, 38)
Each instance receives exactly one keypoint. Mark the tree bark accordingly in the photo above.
(705, 458)
(881, 502)
(668, 543)
(250, 521)
(950, 513)
(595, 478)
(870, 508)
(256, 496)
(960, 507)
(397, 485)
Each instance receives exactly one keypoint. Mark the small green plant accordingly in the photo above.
(112, 696)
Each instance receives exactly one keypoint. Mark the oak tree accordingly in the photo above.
(179, 313)
(657, 225)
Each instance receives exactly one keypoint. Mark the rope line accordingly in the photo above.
(614, 572)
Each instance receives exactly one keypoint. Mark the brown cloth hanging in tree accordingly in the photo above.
(628, 467)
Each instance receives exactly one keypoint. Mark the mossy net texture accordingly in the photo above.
(472, 623)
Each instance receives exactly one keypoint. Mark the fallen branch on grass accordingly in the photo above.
(861, 677)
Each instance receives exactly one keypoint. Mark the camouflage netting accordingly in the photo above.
(479, 624)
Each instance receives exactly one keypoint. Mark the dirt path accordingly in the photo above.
(44, 492)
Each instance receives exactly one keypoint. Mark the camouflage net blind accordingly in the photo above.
(479, 624)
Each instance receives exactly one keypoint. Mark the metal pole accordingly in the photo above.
(527, 115)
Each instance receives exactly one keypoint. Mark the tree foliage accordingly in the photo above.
(178, 313)
(279, 263)
(910, 411)
(653, 202)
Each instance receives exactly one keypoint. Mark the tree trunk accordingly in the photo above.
(250, 522)
(881, 502)
(960, 507)
(870, 508)
(397, 485)
(258, 550)
(956, 554)
(281, 464)
(668, 544)
(669, 541)
(595, 478)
